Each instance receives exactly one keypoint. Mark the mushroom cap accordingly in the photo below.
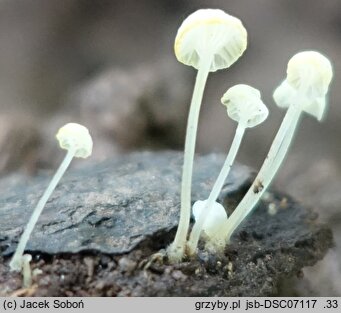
(310, 72)
(243, 102)
(75, 136)
(285, 95)
(214, 221)
(210, 33)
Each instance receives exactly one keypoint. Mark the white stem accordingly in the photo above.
(284, 147)
(281, 134)
(177, 248)
(26, 270)
(218, 185)
(16, 262)
(267, 172)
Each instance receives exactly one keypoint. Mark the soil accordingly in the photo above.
(269, 246)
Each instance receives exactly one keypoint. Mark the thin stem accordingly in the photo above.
(267, 172)
(177, 248)
(281, 134)
(269, 175)
(218, 185)
(26, 270)
(16, 262)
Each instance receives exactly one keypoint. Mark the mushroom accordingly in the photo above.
(213, 224)
(244, 105)
(309, 74)
(77, 141)
(208, 40)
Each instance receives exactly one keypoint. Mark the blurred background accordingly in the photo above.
(110, 66)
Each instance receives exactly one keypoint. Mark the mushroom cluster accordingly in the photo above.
(210, 40)
(309, 74)
(244, 105)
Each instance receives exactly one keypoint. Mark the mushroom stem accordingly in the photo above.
(26, 270)
(177, 248)
(290, 117)
(283, 149)
(16, 262)
(218, 185)
(268, 170)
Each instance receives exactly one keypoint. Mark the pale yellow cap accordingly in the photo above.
(243, 102)
(285, 95)
(310, 72)
(75, 136)
(213, 33)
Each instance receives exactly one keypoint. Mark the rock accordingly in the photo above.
(129, 208)
(127, 265)
(323, 194)
(110, 207)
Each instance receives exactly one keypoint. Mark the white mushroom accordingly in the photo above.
(77, 141)
(309, 74)
(244, 105)
(214, 223)
(208, 40)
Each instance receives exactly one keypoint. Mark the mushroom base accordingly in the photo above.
(77, 260)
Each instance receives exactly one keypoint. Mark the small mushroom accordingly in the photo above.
(309, 74)
(77, 141)
(208, 40)
(244, 105)
(213, 224)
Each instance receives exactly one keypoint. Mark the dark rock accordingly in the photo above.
(110, 207)
(129, 207)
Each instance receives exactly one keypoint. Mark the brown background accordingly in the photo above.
(107, 63)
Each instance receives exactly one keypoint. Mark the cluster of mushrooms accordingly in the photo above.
(210, 40)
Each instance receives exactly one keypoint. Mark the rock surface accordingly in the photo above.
(110, 207)
(128, 208)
